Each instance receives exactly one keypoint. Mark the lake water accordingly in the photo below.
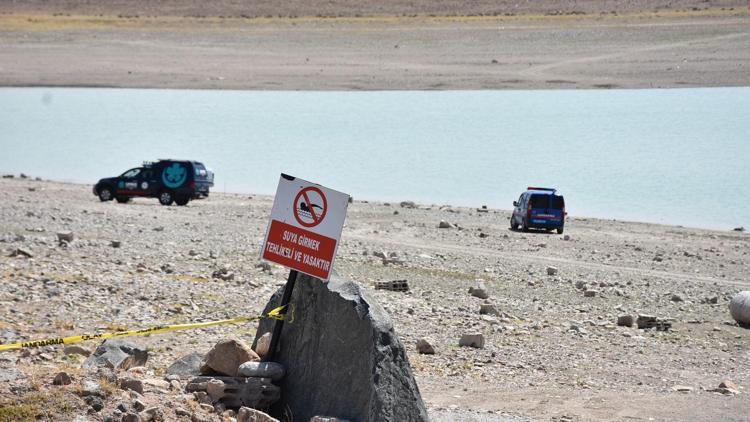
(679, 156)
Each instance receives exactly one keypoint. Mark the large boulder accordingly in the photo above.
(342, 356)
(739, 307)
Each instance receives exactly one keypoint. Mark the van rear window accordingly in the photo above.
(547, 202)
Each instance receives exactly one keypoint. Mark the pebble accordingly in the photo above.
(475, 340)
(551, 271)
(425, 347)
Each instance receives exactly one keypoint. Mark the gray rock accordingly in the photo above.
(590, 293)
(625, 320)
(117, 354)
(342, 337)
(62, 378)
(263, 344)
(75, 349)
(475, 340)
(739, 308)
(424, 347)
(479, 291)
(445, 225)
(227, 356)
(272, 370)
(131, 417)
(21, 252)
(132, 384)
(551, 271)
(186, 366)
(246, 414)
(408, 204)
(90, 388)
(66, 236)
(487, 309)
(566, 237)
(676, 298)
(115, 243)
(95, 402)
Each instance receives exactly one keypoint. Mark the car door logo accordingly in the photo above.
(174, 176)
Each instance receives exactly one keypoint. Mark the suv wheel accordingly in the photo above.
(525, 226)
(513, 224)
(560, 230)
(122, 199)
(182, 200)
(166, 198)
(105, 194)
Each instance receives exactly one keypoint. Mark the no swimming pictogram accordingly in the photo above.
(305, 227)
(310, 206)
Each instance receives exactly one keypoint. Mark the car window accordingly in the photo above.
(557, 202)
(147, 174)
(539, 201)
(131, 173)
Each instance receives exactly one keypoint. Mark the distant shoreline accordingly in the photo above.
(562, 50)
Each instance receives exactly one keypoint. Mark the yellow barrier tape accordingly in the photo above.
(273, 314)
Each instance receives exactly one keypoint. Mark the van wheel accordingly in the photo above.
(182, 200)
(105, 194)
(525, 226)
(122, 199)
(166, 198)
(513, 224)
(560, 230)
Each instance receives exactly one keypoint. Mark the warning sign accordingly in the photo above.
(305, 226)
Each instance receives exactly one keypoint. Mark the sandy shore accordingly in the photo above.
(553, 352)
(627, 49)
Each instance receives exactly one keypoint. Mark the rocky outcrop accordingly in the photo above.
(117, 354)
(342, 357)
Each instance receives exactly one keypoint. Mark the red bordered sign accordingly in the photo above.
(305, 227)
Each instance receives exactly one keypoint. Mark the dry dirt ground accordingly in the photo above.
(434, 45)
(552, 352)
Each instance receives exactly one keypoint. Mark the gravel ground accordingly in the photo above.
(552, 351)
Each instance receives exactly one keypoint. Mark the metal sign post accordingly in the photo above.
(303, 235)
(279, 324)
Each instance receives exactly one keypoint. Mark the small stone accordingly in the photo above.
(138, 405)
(682, 388)
(215, 389)
(444, 225)
(62, 378)
(479, 291)
(65, 236)
(272, 370)
(227, 356)
(182, 412)
(95, 402)
(551, 271)
(132, 384)
(186, 366)
(75, 349)
(424, 347)
(115, 243)
(151, 414)
(246, 414)
(590, 293)
(487, 309)
(676, 298)
(21, 252)
(175, 385)
(263, 344)
(566, 237)
(408, 204)
(475, 340)
(728, 384)
(625, 320)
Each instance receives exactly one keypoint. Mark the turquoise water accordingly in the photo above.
(678, 156)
